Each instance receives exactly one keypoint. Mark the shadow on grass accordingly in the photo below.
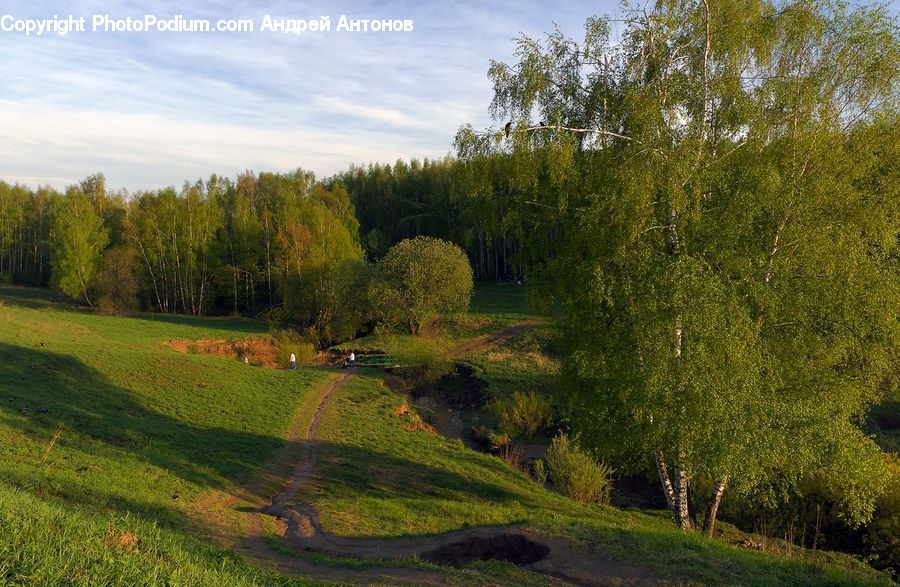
(35, 298)
(41, 390)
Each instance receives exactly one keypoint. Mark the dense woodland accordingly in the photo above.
(230, 245)
(711, 195)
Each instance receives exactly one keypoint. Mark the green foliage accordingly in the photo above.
(419, 280)
(424, 360)
(176, 236)
(494, 440)
(116, 284)
(26, 223)
(882, 535)
(80, 239)
(290, 341)
(723, 240)
(576, 474)
(325, 286)
(523, 414)
(442, 198)
(540, 471)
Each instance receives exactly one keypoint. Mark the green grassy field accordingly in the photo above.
(109, 442)
(142, 431)
(377, 478)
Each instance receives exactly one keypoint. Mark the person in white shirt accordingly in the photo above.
(352, 358)
(293, 361)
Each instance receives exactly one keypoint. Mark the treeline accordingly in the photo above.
(25, 228)
(219, 246)
(287, 244)
(232, 245)
(449, 199)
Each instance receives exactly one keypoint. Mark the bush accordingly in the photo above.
(576, 474)
(540, 471)
(882, 536)
(328, 299)
(292, 342)
(490, 439)
(523, 414)
(425, 360)
(116, 284)
(418, 280)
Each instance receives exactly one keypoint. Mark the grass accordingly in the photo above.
(143, 434)
(144, 431)
(50, 543)
(377, 478)
(380, 479)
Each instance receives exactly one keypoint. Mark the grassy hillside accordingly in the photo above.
(379, 478)
(111, 444)
(140, 429)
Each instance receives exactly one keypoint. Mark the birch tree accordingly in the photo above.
(80, 240)
(728, 263)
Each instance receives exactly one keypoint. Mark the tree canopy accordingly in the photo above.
(715, 198)
(420, 279)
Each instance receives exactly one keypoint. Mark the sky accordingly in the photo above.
(154, 109)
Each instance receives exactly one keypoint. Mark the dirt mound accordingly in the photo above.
(513, 548)
(262, 352)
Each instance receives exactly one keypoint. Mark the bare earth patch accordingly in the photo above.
(258, 351)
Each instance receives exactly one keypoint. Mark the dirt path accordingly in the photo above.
(273, 517)
(493, 338)
(261, 518)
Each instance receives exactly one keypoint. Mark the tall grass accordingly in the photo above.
(576, 474)
(523, 414)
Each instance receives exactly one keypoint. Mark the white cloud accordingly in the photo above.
(153, 110)
(172, 150)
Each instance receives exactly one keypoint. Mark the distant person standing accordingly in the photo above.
(352, 358)
(293, 361)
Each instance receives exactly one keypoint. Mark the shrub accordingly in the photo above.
(523, 414)
(882, 536)
(328, 299)
(511, 454)
(576, 474)
(540, 471)
(425, 360)
(292, 342)
(116, 284)
(490, 439)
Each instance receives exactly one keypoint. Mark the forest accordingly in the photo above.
(709, 196)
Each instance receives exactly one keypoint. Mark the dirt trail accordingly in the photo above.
(493, 338)
(251, 504)
(298, 526)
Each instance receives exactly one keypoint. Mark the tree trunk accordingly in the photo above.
(665, 481)
(712, 509)
(682, 515)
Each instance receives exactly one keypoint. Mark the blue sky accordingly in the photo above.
(154, 109)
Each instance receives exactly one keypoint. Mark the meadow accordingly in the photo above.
(112, 443)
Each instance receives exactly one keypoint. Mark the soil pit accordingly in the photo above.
(513, 548)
